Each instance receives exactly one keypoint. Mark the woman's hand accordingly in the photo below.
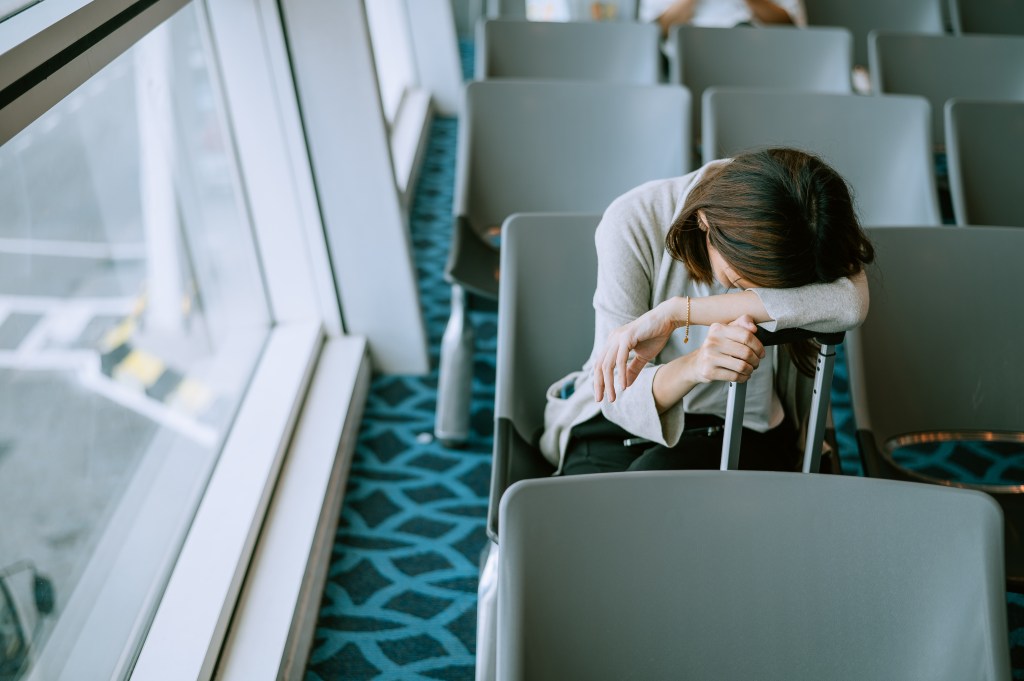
(645, 336)
(730, 352)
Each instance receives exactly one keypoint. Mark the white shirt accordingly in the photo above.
(719, 12)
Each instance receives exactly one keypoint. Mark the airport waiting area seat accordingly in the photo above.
(577, 50)
(880, 145)
(529, 146)
(992, 17)
(941, 67)
(776, 57)
(546, 323)
(920, 380)
(708, 575)
(864, 16)
(984, 145)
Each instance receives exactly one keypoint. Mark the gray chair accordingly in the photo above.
(917, 375)
(534, 146)
(943, 67)
(999, 17)
(880, 145)
(709, 575)
(547, 292)
(864, 16)
(579, 50)
(984, 147)
(813, 59)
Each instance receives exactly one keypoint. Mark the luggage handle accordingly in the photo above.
(824, 365)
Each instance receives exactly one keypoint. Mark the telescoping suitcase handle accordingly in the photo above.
(819, 402)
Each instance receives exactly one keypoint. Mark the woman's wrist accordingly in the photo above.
(672, 381)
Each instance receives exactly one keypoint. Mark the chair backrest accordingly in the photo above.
(705, 575)
(909, 374)
(545, 329)
(811, 59)
(880, 145)
(577, 50)
(545, 309)
(943, 67)
(984, 145)
(506, 9)
(1001, 17)
(864, 16)
(534, 146)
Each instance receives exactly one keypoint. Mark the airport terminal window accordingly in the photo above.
(132, 314)
(388, 22)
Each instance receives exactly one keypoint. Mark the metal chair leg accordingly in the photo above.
(455, 375)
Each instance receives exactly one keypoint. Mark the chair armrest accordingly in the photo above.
(472, 262)
(769, 338)
(514, 459)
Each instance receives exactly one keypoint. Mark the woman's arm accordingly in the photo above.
(767, 12)
(647, 335)
(729, 353)
(836, 306)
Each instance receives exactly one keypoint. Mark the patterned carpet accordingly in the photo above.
(400, 601)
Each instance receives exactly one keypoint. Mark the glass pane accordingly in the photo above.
(392, 52)
(132, 314)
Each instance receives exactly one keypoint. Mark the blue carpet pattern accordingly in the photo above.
(400, 599)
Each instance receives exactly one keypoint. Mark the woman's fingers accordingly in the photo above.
(609, 374)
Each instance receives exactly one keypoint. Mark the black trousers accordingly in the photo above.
(600, 446)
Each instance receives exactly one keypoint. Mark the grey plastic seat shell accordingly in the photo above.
(864, 16)
(966, 381)
(984, 141)
(708, 575)
(940, 68)
(811, 59)
(610, 51)
(880, 145)
(998, 17)
(529, 146)
(545, 331)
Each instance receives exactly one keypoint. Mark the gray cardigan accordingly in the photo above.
(636, 273)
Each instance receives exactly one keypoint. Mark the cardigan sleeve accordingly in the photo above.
(625, 279)
(836, 306)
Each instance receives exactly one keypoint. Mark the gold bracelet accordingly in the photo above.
(686, 334)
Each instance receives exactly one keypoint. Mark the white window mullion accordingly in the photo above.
(278, 181)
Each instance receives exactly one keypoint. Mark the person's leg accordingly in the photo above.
(597, 446)
(774, 450)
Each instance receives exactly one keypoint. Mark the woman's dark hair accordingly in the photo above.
(780, 217)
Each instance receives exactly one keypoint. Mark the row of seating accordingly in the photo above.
(575, 146)
(998, 17)
(816, 59)
(779, 542)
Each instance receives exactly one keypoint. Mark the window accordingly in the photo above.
(132, 315)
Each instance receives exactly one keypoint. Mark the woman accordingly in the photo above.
(686, 268)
